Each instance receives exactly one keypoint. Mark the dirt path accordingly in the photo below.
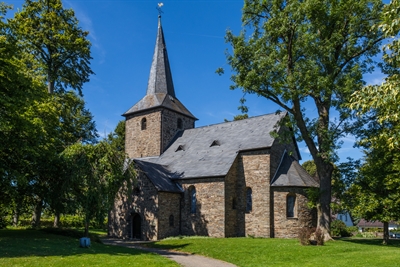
(184, 259)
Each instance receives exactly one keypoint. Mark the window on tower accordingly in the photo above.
(144, 124)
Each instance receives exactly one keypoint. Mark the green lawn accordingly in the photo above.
(288, 252)
(38, 248)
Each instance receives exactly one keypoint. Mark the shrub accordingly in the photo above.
(338, 228)
(304, 235)
(352, 229)
(319, 237)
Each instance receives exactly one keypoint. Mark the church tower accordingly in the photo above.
(159, 115)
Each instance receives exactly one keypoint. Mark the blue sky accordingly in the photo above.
(123, 34)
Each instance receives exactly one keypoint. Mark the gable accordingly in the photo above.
(290, 173)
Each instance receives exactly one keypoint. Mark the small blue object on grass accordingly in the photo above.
(84, 242)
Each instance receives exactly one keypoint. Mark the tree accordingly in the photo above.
(101, 171)
(75, 125)
(51, 34)
(375, 191)
(23, 126)
(308, 53)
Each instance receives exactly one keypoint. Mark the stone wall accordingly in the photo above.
(169, 205)
(209, 219)
(143, 143)
(170, 126)
(161, 127)
(285, 227)
(254, 167)
(143, 200)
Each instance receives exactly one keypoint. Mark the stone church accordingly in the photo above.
(224, 180)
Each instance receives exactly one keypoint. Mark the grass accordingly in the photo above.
(288, 252)
(61, 248)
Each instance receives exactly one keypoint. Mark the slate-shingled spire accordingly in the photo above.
(160, 80)
(160, 88)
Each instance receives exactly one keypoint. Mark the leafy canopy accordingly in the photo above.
(51, 34)
(312, 54)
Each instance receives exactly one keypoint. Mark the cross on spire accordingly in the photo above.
(159, 6)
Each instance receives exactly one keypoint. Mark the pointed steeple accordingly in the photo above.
(160, 88)
(160, 79)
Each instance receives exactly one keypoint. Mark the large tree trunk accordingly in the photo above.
(15, 217)
(56, 220)
(321, 160)
(324, 212)
(86, 234)
(385, 233)
(37, 213)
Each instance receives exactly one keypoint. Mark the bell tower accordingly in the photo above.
(153, 121)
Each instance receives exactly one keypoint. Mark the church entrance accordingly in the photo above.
(136, 226)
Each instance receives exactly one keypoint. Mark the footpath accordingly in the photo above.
(184, 259)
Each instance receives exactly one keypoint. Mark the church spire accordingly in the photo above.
(160, 79)
(160, 88)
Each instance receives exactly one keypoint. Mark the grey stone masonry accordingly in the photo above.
(161, 127)
(289, 227)
(209, 219)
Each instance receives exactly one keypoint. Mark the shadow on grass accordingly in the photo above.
(372, 241)
(27, 243)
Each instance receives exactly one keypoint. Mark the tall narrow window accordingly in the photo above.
(179, 123)
(249, 200)
(193, 200)
(144, 124)
(171, 220)
(291, 205)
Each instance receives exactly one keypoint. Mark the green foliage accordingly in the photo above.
(338, 228)
(310, 168)
(97, 170)
(60, 49)
(313, 194)
(308, 52)
(375, 191)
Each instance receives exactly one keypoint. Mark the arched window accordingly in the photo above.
(171, 220)
(179, 123)
(144, 124)
(249, 200)
(193, 200)
(291, 205)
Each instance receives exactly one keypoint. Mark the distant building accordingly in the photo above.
(364, 224)
(224, 180)
(344, 217)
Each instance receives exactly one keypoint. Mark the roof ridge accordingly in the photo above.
(238, 121)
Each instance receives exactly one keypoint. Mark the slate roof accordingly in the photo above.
(160, 87)
(191, 155)
(290, 173)
(159, 176)
(375, 224)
